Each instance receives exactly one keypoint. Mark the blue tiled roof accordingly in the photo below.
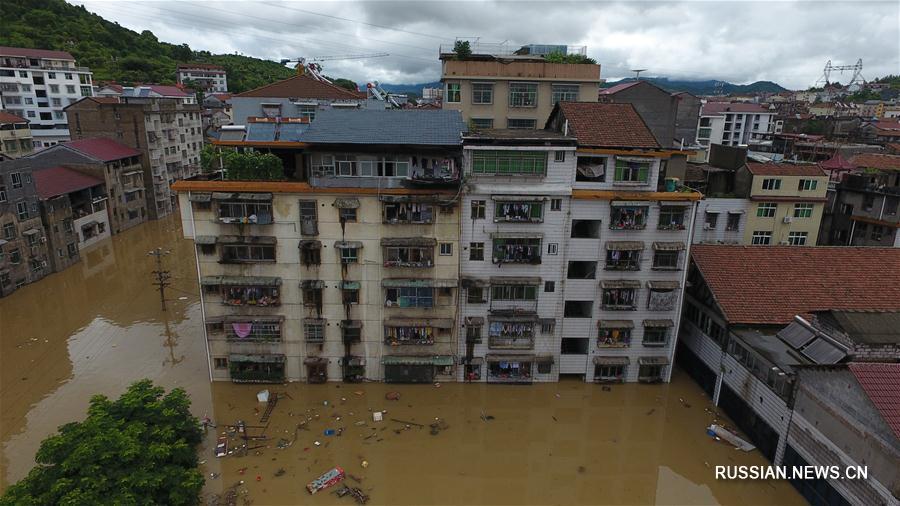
(386, 126)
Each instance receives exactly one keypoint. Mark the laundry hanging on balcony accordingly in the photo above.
(242, 329)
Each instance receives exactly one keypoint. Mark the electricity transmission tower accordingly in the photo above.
(856, 69)
(162, 276)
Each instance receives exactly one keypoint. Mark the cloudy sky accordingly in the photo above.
(740, 42)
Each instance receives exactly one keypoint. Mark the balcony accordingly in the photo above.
(247, 208)
(258, 291)
(510, 343)
(525, 250)
(409, 252)
(518, 211)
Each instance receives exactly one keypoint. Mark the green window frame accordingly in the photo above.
(766, 209)
(518, 211)
(514, 292)
(807, 185)
(500, 163)
(632, 172)
(803, 210)
(454, 93)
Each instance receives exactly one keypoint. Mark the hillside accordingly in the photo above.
(115, 53)
(707, 87)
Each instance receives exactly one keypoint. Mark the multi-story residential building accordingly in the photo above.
(862, 207)
(167, 131)
(15, 136)
(671, 117)
(624, 279)
(300, 96)
(515, 228)
(146, 91)
(73, 211)
(118, 166)
(37, 84)
(23, 243)
(753, 356)
(496, 88)
(734, 123)
(210, 77)
(786, 203)
(347, 269)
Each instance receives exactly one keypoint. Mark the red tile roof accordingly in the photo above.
(6, 117)
(61, 180)
(103, 149)
(876, 161)
(836, 162)
(719, 108)
(23, 52)
(765, 285)
(784, 169)
(607, 125)
(881, 383)
(617, 88)
(303, 87)
(164, 90)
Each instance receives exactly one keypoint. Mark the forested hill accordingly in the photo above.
(115, 53)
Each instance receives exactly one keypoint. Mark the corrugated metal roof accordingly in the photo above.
(377, 126)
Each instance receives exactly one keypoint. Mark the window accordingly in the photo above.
(446, 248)
(476, 251)
(522, 94)
(521, 124)
(14, 256)
(408, 256)
(523, 212)
(665, 259)
(16, 180)
(559, 156)
(609, 373)
(630, 170)
(614, 334)
(807, 185)
(308, 220)
(306, 111)
(409, 297)
(312, 295)
(473, 333)
(85, 91)
(628, 217)
(618, 259)
(586, 229)
(712, 219)
(26, 87)
(453, 93)
(349, 255)
(577, 309)
(671, 218)
(549, 286)
(62, 115)
(771, 184)
(70, 89)
(220, 363)
(761, 238)
(552, 248)
(482, 123)
(23, 73)
(314, 331)
(650, 372)
(517, 250)
(513, 292)
(544, 367)
(22, 210)
(797, 238)
(347, 215)
(547, 325)
(565, 93)
(475, 295)
(509, 162)
(9, 231)
(734, 222)
(349, 296)
(803, 210)
(2, 192)
(656, 336)
(54, 88)
(482, 93)
(240, 253)
(579, 269)
(766, 209)
(556, 204)
(877, 233)
(56, 102)
(478, 207)
(619, 299)
(68, 76)
(351, 331)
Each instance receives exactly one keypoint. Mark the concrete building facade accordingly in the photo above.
(211, 78)
(862, 207)
(671, 117)
(296, 97)
(23, 243)
(15, 136)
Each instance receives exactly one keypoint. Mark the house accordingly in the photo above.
(24, 254)
(300, 96)
(671, 117)
(15, 136)
(146, 91)
(497, 88)
(882, 131)
(734, 123)
(211, 78)
(863, 208)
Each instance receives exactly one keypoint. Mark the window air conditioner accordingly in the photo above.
(788, 219)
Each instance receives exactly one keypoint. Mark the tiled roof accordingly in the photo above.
(607, 125)
(61, 180)
(771, 284)
(887, 124)
(103, 149)
(302, 87)
(6, 117)
(784, 169)
(386, 126)
(23, 52)
(881, 383)
(719, 108)
(836, 162)
(617, 88)
(876, 161)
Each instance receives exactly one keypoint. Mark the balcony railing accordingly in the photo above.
(510, 343)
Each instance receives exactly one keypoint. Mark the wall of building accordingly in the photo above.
(25, 255)
(657, 107)
(250, 107)
(784, 222)
(56, 214)
(15, 140)
(706, 232)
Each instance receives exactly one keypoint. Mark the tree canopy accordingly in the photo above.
(138, 449)
(242, 166)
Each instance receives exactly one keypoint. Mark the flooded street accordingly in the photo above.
(97, 327)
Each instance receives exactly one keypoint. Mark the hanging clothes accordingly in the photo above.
(242, 330)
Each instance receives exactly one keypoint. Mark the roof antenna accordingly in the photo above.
(637, 73)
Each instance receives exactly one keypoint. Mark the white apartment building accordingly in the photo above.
(734, 123)
(212, 78)
(37, 84)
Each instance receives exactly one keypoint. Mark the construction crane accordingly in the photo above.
(375, 90)
(310, 67)
(857, 73)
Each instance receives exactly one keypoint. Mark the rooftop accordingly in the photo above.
(6, 117)
(876, 161)
(769, 285)
(302, 87)
(386, 126)
(881, 382)
(517, 133)
(617, 88)
(205, 66)
(606, 125)
(784, 169)
(867, 327)
(102, 149)
(720, 108)
(57, 181)
(836, 162)
(23, 52)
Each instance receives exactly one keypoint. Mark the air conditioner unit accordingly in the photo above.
(43, 239)
(707, 226)
(43, 263)
(788, 219)
(784, 243)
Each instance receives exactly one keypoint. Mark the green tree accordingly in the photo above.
(346, 84)
(139, 449)
(557, 57)
(245, 166)
(463, 49)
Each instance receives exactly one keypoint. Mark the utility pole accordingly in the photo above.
(162, 277)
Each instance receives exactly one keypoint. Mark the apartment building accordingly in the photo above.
(786, 203)
(734, 123)
(167, 132)
(146, 91)
(37, 84)
(211, 78)
(118, 166)
(671, 117)
(862, 207)
(23, 243)
(347, 269)
(496, 88)
(15, 136)
(300, 96)
(514, 231)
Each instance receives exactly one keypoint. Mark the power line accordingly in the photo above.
(162, 276)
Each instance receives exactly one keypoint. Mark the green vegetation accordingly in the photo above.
(139, 449)
(246, 166)
(345, 83)
(558, 57)
(463, 49)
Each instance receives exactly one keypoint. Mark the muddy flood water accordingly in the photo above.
(97, 327)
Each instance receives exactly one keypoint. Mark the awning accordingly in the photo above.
(315, 361)
(89, 224)
(199, 197)
(509, 358)
(619, 283)
(473, 282)
(629, 203)
(659, 323)
(474, 320)
(511, 280)
(314, 321)
(346, 203)
(668, 246)
(3, 241)
(663, 285)
(351, 324)
(543, 359)
(268, 359)
(624, 245)
(635, 159)
(222, 196)
(417, 360)
(349, 285)
(418, 283)
(528, 318)
(429, 199)
(205, 239)
(253, 196)
(31, 231)
(240, 281)
(653, 361)
(348, 244)
(310, 244)
(736, 211)
(312, 284)
(132, 190)
(611, 361)
(438, 323)
(517, 198)
(615, 324)
(517, 235)
(409, 241)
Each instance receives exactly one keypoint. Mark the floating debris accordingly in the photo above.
(331, 477)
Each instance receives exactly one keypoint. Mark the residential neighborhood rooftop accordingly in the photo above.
(881, 382)
(785, 169)
(303, 87)
(23, 52)
(102, 149)
(606, 125)
(57, 181)
(386, 126)
(876, 161)
(6, 117)
(720, 108)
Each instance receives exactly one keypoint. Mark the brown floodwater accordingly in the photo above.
(97, 326)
